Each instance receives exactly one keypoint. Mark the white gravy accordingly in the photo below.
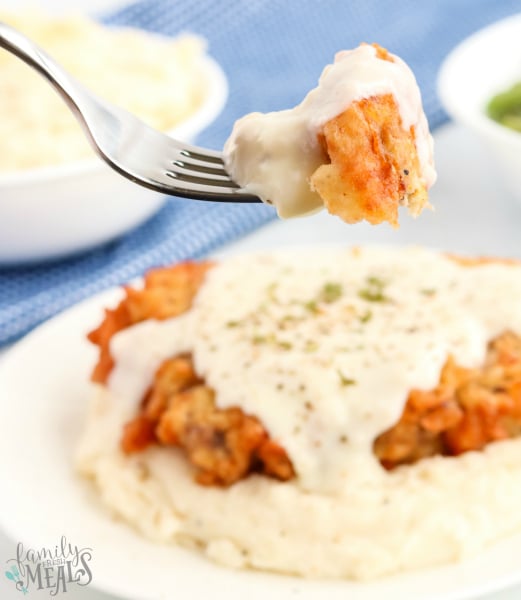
(324, 345)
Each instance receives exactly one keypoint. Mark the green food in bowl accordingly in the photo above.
(505, 108)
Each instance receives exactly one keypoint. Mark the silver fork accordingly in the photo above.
(135, 150)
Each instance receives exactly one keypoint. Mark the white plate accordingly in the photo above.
(43, 392)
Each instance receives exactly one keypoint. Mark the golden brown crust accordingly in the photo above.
(225, 445)
(374, 166)
(167, 292)
(381, 52)
(220, 443)
(467, 410)
(138, 434)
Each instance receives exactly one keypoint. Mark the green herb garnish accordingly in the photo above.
(428, 291)
(311, 306)
(310, 346)
(285, 345)
(270, 290)
(331, 292)
(345, 381)
(366, 317)
(232, 324)
(374, 290)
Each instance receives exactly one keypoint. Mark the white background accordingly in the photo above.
(91, 6)
(449, 185)
(8, 547)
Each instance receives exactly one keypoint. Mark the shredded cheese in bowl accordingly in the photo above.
(156, 78)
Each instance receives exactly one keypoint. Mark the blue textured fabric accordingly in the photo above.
(272, 52)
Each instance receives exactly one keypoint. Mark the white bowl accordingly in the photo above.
(51, 212)
(483, 65)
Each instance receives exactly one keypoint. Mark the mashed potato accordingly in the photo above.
(157, 79)
(437, 511)
(382, 323)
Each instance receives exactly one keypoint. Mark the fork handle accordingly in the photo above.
(69, 89)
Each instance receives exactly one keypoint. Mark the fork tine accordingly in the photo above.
(211, 156)
(188, 166)
(202, 180)
(199, 191)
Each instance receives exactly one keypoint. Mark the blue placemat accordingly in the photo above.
(272, 52)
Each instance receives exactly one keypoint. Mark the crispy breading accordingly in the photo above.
(467, 410)
(224, 445)
(220, 443)
(174, 376)
(374, 167)
(115, 320)
(138, 434)
(167, 292)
